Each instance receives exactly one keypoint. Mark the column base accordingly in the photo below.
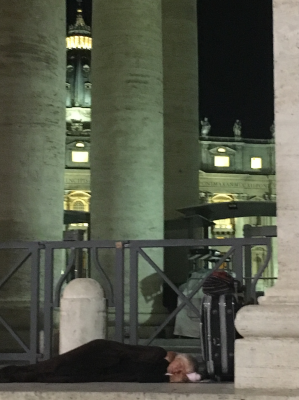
(268, 356)
(267, 363)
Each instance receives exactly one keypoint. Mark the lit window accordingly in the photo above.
(256, 162)
(79, 42)
(80, 156)
(221, 150)
(221, 161)
(80, 144)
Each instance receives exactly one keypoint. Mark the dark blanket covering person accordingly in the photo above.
(97, 361)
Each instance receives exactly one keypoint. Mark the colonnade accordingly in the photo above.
(143, 166)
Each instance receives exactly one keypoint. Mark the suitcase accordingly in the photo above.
(218, 335)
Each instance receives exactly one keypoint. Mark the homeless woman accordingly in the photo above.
(108, 361)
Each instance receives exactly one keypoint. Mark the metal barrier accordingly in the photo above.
(237, 248)
(32, 252)
(114, 291)
(44, 266)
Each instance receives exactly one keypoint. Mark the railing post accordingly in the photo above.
(247, 232)
(34, 309)
(248, 272)
(133, 294)
(238, 262)
(48, 302)
(119, 292)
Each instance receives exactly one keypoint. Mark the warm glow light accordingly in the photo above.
(256, 162)
(79, 42)
(221, 150)
(79, 224)
(80, 156)
(80, 144)
(221, 161)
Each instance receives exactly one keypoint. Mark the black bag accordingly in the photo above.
(218, 335)
(220, 282)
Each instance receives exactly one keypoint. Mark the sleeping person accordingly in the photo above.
(108, 361)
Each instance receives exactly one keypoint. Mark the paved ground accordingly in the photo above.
(135, 391)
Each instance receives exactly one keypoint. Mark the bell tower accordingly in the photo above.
(78, 44)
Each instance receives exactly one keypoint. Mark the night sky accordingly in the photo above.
(235, 63)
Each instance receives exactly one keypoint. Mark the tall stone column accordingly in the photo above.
(127, 126)
(32, 119)
(32, 126)
(181, 148)
(180, 72)
(267, 357)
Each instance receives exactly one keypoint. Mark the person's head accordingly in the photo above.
(182, 365)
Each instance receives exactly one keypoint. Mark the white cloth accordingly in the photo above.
(187, 322)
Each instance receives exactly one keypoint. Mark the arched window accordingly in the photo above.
(223, 227)
(78, 205)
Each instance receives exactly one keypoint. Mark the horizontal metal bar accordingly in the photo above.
(138, 243)
(19, 245)
(15, 245)
(14, 357)
(81, 244)
(199, 242)
(261, 278)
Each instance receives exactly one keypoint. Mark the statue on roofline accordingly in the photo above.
(205, 127)
(237, 129)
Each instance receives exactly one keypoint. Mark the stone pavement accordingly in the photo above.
(137, 391)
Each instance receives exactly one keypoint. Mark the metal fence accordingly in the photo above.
(41, 255)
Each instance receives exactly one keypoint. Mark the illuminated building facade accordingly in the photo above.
(239, 170)
(231, 168)
(78, 117)
(32, 151)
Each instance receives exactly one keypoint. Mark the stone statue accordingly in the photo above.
(272, 130)
(237, 128)
(205, 127)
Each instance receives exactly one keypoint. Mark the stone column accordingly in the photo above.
(181, 125)
(267, 357)
(32, 126)
(127, 125)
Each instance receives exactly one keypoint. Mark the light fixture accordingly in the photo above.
(221, 150)
(80, 144)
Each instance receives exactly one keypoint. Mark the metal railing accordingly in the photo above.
(33, 253)
(237, 249)
(114, 291)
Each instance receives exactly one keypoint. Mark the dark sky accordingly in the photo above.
(235, 63)
(71, 7)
